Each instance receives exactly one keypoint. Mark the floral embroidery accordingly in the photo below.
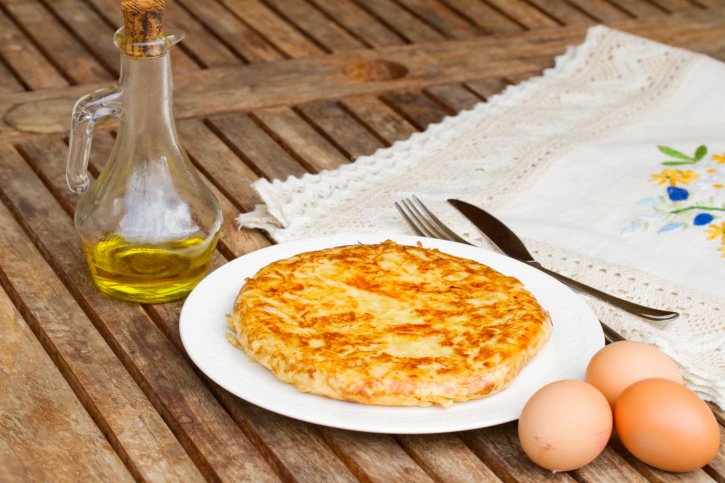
(674, 176)
(699, 200)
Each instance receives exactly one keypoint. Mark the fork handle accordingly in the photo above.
(627, 306)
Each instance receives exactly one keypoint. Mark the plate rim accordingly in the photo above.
(288, 249)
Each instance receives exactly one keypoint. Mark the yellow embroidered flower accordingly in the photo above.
(711, 171)
(718, 186)
(675, 176)
(718, 158)
(722, 249)
(716, 232)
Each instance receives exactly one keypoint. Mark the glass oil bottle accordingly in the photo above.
(149, 224)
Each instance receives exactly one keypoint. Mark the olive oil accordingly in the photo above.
(149, 274)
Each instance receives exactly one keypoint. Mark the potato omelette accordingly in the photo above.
(389, 324)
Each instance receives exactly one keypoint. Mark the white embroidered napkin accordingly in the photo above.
(611, 166)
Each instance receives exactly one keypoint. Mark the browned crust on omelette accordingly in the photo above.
(389, 324)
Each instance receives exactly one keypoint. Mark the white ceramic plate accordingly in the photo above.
(576, 337)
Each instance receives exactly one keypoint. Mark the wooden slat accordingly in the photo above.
(304, 80)
(563, 12)
(274, 29)
(500, 450)
(601, 10)
(487, 87)
(205, 430)
(237, 34)
(638, 8)
(525, 14)
(445, 458)
(220, 164)
(416, 108)
(403, 22)
(64, 51)
(137, 433)
(25, 59)
(45, 432)
(8, 82)
(374, 457)
(110, 10)
(256, 147)
(484, 16)
(716, 467)
(346, 134)
(308, 19)
(359, 22)
(387, 125)
(608, 467)
(298, 137)
(675, 5)
(442, 18)
(453, 96)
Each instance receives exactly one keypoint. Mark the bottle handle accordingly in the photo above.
(88, 110)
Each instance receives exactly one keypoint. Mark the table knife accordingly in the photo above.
(507, 241)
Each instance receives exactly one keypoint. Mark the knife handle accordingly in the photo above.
(627, 306)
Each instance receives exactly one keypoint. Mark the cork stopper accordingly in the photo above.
(143, 22)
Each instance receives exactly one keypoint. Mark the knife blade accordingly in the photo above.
(507, 241)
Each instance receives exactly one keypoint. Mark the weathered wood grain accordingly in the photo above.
(373, 457)
(445, 458)
(442, 18)
(525, 14)
(608, 467)
(45, 434)
(716, 468)
(300, 139)
(638, 8)
(499, 448)
(359, 22)
(416, 108)
(601, 10)
(453, 97)
(675, 5)
(563, 12)
(204, 429)
(117, 405)
(25, 59)
(315, 25)
(256, 147)
(304, 80)
(8, 82)
(403, 22)
(487, 87)
(340, 129)
(235, 33)
(217, 161)
(381, 121)
(484, 16)
(60, 47)
(274, 29)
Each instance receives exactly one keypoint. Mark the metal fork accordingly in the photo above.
(425, 223)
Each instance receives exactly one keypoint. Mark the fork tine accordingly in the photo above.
(429, 227)
(413, 224)
(451, 235)
(419, 220)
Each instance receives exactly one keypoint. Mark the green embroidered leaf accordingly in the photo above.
(673, 153)
(677, 163)
(700, 153)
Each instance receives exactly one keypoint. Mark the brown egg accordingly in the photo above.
(618, 365)
(565, 425)
(666, 425)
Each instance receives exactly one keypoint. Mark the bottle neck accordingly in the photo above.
(147, 93)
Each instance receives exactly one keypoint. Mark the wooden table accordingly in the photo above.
(94, 389)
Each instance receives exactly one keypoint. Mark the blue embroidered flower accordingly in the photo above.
(703, 219)
(634, 228)
(677, 194)
(671, 226)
